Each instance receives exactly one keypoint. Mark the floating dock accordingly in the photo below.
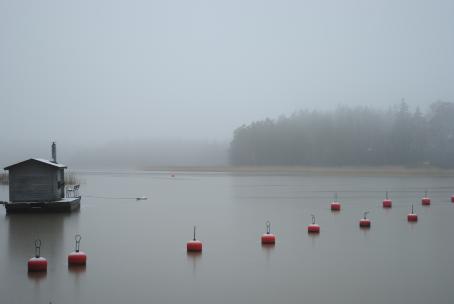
(37, 185)
(67, 204)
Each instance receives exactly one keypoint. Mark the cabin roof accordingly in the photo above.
(40, 160)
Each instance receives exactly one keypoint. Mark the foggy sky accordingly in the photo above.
(94, 71)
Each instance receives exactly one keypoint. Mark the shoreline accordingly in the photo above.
(316, 170)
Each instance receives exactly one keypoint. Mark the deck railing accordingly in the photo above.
(72, 191)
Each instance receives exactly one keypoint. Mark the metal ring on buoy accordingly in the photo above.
(425, 201)
(387, 203)
(37, 263)
(77, 257)
(412, 217)
(268, 238)
(313, 228)
(194, 245)
(365, 222)
(335, 205)
(37, 248)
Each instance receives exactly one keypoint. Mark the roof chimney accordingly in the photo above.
(54, 152)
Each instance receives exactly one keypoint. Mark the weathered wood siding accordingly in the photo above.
(34, 182)
(61, 182)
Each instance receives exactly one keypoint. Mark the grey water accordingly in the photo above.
(136, 249)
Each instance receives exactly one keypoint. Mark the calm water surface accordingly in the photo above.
(136, 249)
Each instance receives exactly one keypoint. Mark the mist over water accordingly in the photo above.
(90, 73)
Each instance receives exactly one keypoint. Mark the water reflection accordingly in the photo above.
(365, 231)
(77, 270)
(412, 225)
(78, 273)
(36, 276)
(24, 229)
(387, 210)
(313, 237)
(194, 258)
(268, 249)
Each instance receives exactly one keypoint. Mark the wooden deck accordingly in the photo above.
(64, 205)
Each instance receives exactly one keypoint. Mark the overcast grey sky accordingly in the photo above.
(101, 70)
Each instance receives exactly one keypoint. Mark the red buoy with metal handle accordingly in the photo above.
(194, 245)
(268, 238)
(37, 263)
(77, 257)
(313, 228)
(412, 217)
(335, 205)
(387, 203)
(425, 201)
(364, 222)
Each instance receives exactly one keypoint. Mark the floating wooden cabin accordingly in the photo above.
(38, 185)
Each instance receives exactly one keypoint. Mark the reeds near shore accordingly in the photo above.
(4, 178)
(71, 179)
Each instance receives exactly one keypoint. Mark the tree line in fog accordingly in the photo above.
(350, 136)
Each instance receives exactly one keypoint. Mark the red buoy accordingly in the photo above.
(37, 263)
(313, 228)
(364, 222)
(194, 245)
(335, 205)
(425, 201)
(412, 217)
(77, 257)
(387, 203)
(268, 238)
(452, 199)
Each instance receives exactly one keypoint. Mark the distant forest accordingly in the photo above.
(350, 136)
